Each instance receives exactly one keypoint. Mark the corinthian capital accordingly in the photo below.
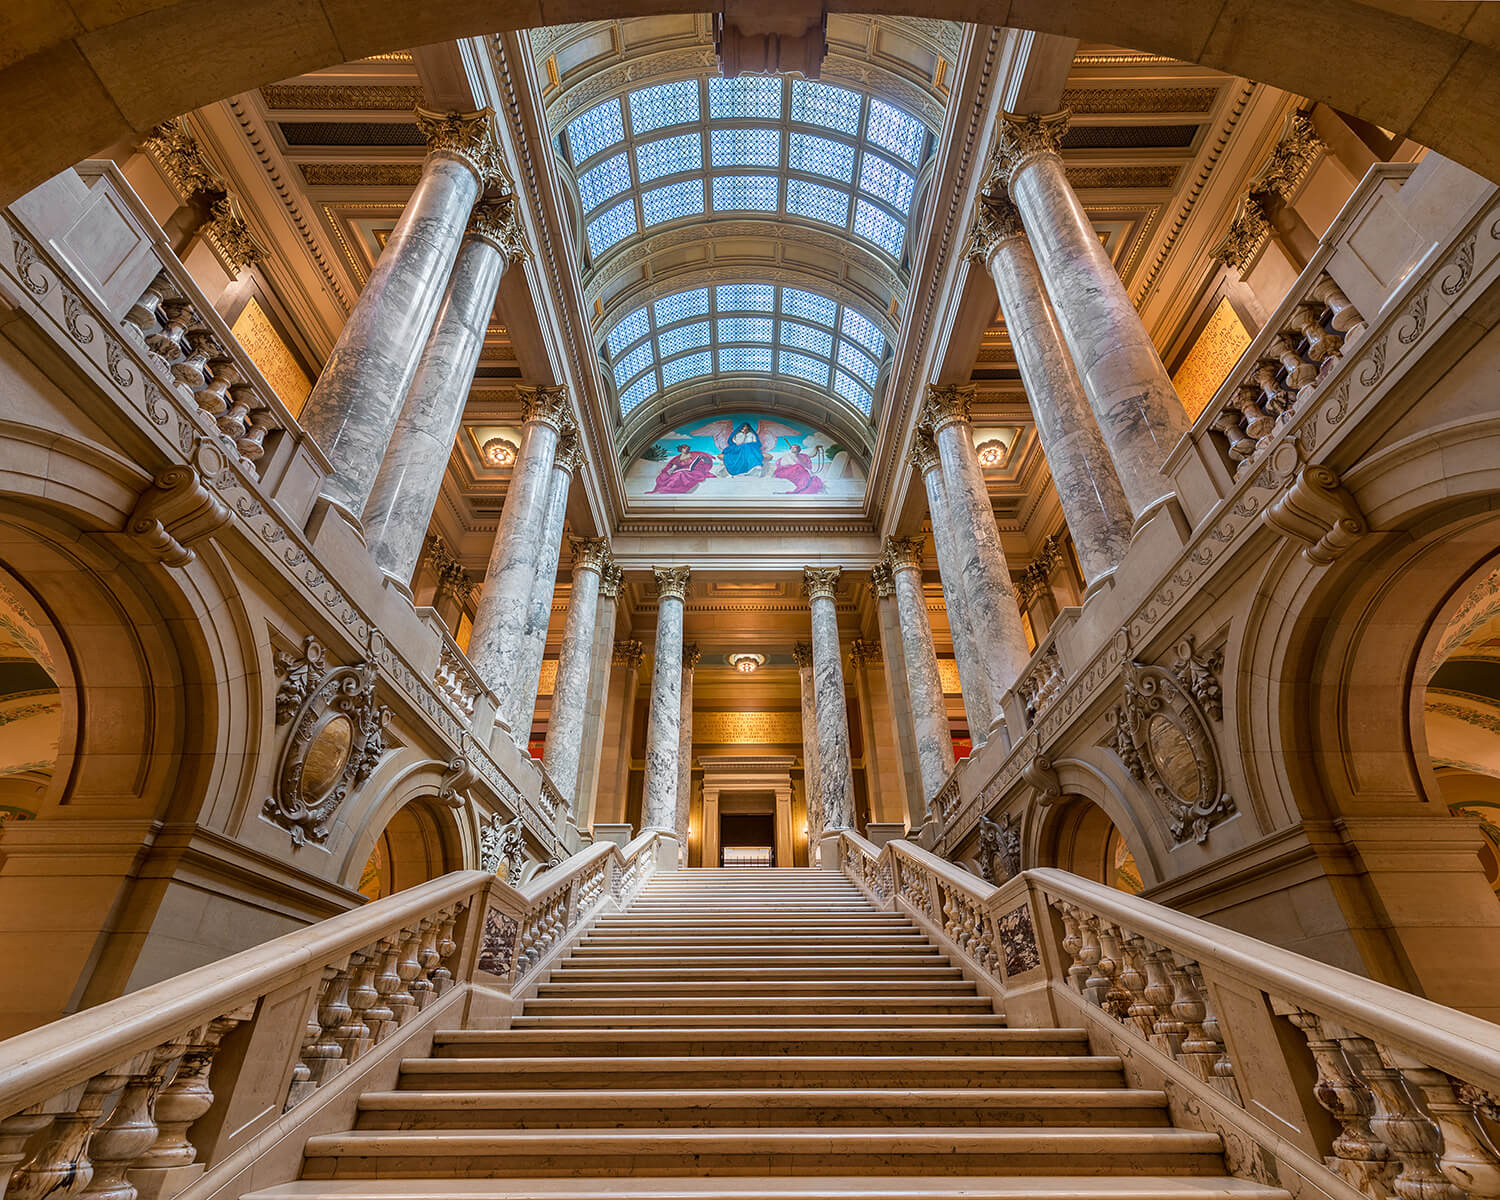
(547, 404)
(802, 655)
(629, 653)
(862, 651)
(672, 581)
(924, 451)
(468, 137)
(996, 221)
(690, 656)
(902, 554)
(610, 580)
(819, 582)
(494, 220)
(947, 404)
(1026, 137)
(569, 454)
(881, 582)
(590, 554)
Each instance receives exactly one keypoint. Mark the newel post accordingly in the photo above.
(1027, 952)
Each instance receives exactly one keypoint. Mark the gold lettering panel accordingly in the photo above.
(548, 682)
(948, 674)
(255, 333)
(1208, 363)
(747, 728)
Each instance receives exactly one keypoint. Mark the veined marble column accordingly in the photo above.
(570, 696)
(812, 777)
(497, 643)
(1093, 502)
(690, 658)
(544, 585)
(836, 775)
(1138, 409)
(994, 616)
(411, 472)
(884, 588)
(924, 457)
(601, 659)
(628, 654)
(352, 408)
(659, 798)
(929, 716)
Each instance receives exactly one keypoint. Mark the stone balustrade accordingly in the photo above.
(1043, 681)
(1258, 1044)
(176, 1084)
(455, 678)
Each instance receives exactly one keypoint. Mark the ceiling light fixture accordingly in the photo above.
(746, 663)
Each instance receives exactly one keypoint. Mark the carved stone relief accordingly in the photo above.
(502, 848)
(999, 849)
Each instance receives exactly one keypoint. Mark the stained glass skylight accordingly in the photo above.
(738, 328)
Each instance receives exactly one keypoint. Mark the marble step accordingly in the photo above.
(390, 1154)
(735, 1002)
(749, 1107)
(732, 952)
(766, 970)
(912, 959)
(747, 984)
(757, 1040)
(758, 927)
(864, 943)
(763, 1020)
(748, 1070)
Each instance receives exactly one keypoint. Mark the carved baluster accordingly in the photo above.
(61, 1166)
(353, 1036)
(1220, 1069)
(1141, 1012)
(144, 317)
(442, 977)
(1166, 1033)
(192, 371)
(252, 446)
(213, 396)
(1188, 1006)
(1089, 954)
(408, 968)
(186, 1098)
(1469, 1158)
(1072, 943)
(301, 1083)
(1228, 425)
(131, 1129)
(242, 399)
(1275, 399)
(166, 343)
(1300, 371)
(1411, 1135)
(1116, 1001)
(1346, 318)
(381, 1017)
(427, 955)
(325, 1058)
(1307, 320)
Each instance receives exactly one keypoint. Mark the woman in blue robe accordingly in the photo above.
(743, 454)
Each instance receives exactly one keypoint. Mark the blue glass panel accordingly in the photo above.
(893, 130)
(639, 390)
(609, 178)
(610, 226)
(857, 362)
(821, 156)
(808, 305)
(864, 331)
(676, 200)
(663, 105)
(804, 199)
(749, 96)
(825, 105)
(633, 363)
(628, 329)
(745, 359)
(880, 227)
(688, 367)
(885, 181)
(746, 147)
(745, 297)
(799, 365)
(683, 337)
(756, 193)
(680, 306)
(805, 337)
(744, 329)
(595, 130)
(669, 156)
(849, 389)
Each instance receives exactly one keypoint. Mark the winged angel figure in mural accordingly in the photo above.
(745, 449)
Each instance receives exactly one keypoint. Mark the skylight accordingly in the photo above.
(736, 328)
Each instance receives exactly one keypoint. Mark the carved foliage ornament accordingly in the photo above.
(469, 137)
(820, 582)
(672, 581)
(1162, 735)
(995, 221)
(947, 403)
(1024, 137)
(502, 848)
(999, 849)
(336, 738)
(494, 220)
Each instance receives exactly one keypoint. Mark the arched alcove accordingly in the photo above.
(419, 843)
(1077, 835)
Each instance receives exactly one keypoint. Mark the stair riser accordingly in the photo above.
(788, 1077)
(669, 1007)
(896, 1044)
(576, 972)
(562, 986)
(899, 1021)
(869, 1116)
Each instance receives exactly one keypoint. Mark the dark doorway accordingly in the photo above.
(747, 840)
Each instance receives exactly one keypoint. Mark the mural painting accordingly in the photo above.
(745, 456)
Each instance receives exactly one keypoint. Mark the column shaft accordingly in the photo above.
(836, 773)
(685, 746)
(601, 659)
(895, 682)
(812, 778)
(570, 696)
(406, 487)
(659, 799)
(1138, 410)
(929, 717)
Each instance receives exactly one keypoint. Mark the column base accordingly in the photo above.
(337, 509)
(1104, 583)
(1150, 512)
(399, 586)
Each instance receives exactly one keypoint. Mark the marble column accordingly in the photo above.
(352, 408)
(570, 695)
(1093, 501)
(887, 802)
(836, 775)
(690, 658)
(628, 654)
(924, 457)
(601, 659)
(884, 588)
(543, 588)
(994, 616)
(659, 798)
(497, 642)
(812, 777)
(928, 714)
(1138, 410)
(406, 487)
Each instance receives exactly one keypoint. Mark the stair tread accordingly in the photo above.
(888, 1138)
(683, 1098)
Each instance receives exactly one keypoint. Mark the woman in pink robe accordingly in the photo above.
(685, 472)
(796, 468)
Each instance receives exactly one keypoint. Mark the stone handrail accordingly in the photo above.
(1259, 1043)
(148, 1091)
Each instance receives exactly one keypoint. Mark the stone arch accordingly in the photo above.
(404, 781)
(69, 91)
(1066, 833)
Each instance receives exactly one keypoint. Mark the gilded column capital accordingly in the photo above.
(947, 404)
(881, 582)
(924, 451)
(590, 554)
(1025, 137)
(629, 653)
(802, 655)
(902, 554)
(546, 403)
(468, 137)
(863, 651)
(569, 455)
(690, 656)
(494, 220)
(610, 581)
(672, 581)
(820, 582)
(996, 221)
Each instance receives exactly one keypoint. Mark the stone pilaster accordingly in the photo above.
(1093, 501)
(354, 404)
(995, 617)
(925, 459)
(690, 657)
(659, 799)
(834, 769)
(812, 777)
(496, 645)
(406, 487)
(884, 588)
(628, 654)
(601, 659)
(570, 697)
(924, 687)
(1138, 410)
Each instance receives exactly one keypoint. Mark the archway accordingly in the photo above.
(1077, 835)
(418, 843)
(119, 76)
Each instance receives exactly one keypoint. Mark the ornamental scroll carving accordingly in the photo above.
(1163, 736)
(337, 737)
(999, 849)
(502, 846)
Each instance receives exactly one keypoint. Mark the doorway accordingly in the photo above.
(747, 839)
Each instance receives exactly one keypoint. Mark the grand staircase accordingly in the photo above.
(759, 1033)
